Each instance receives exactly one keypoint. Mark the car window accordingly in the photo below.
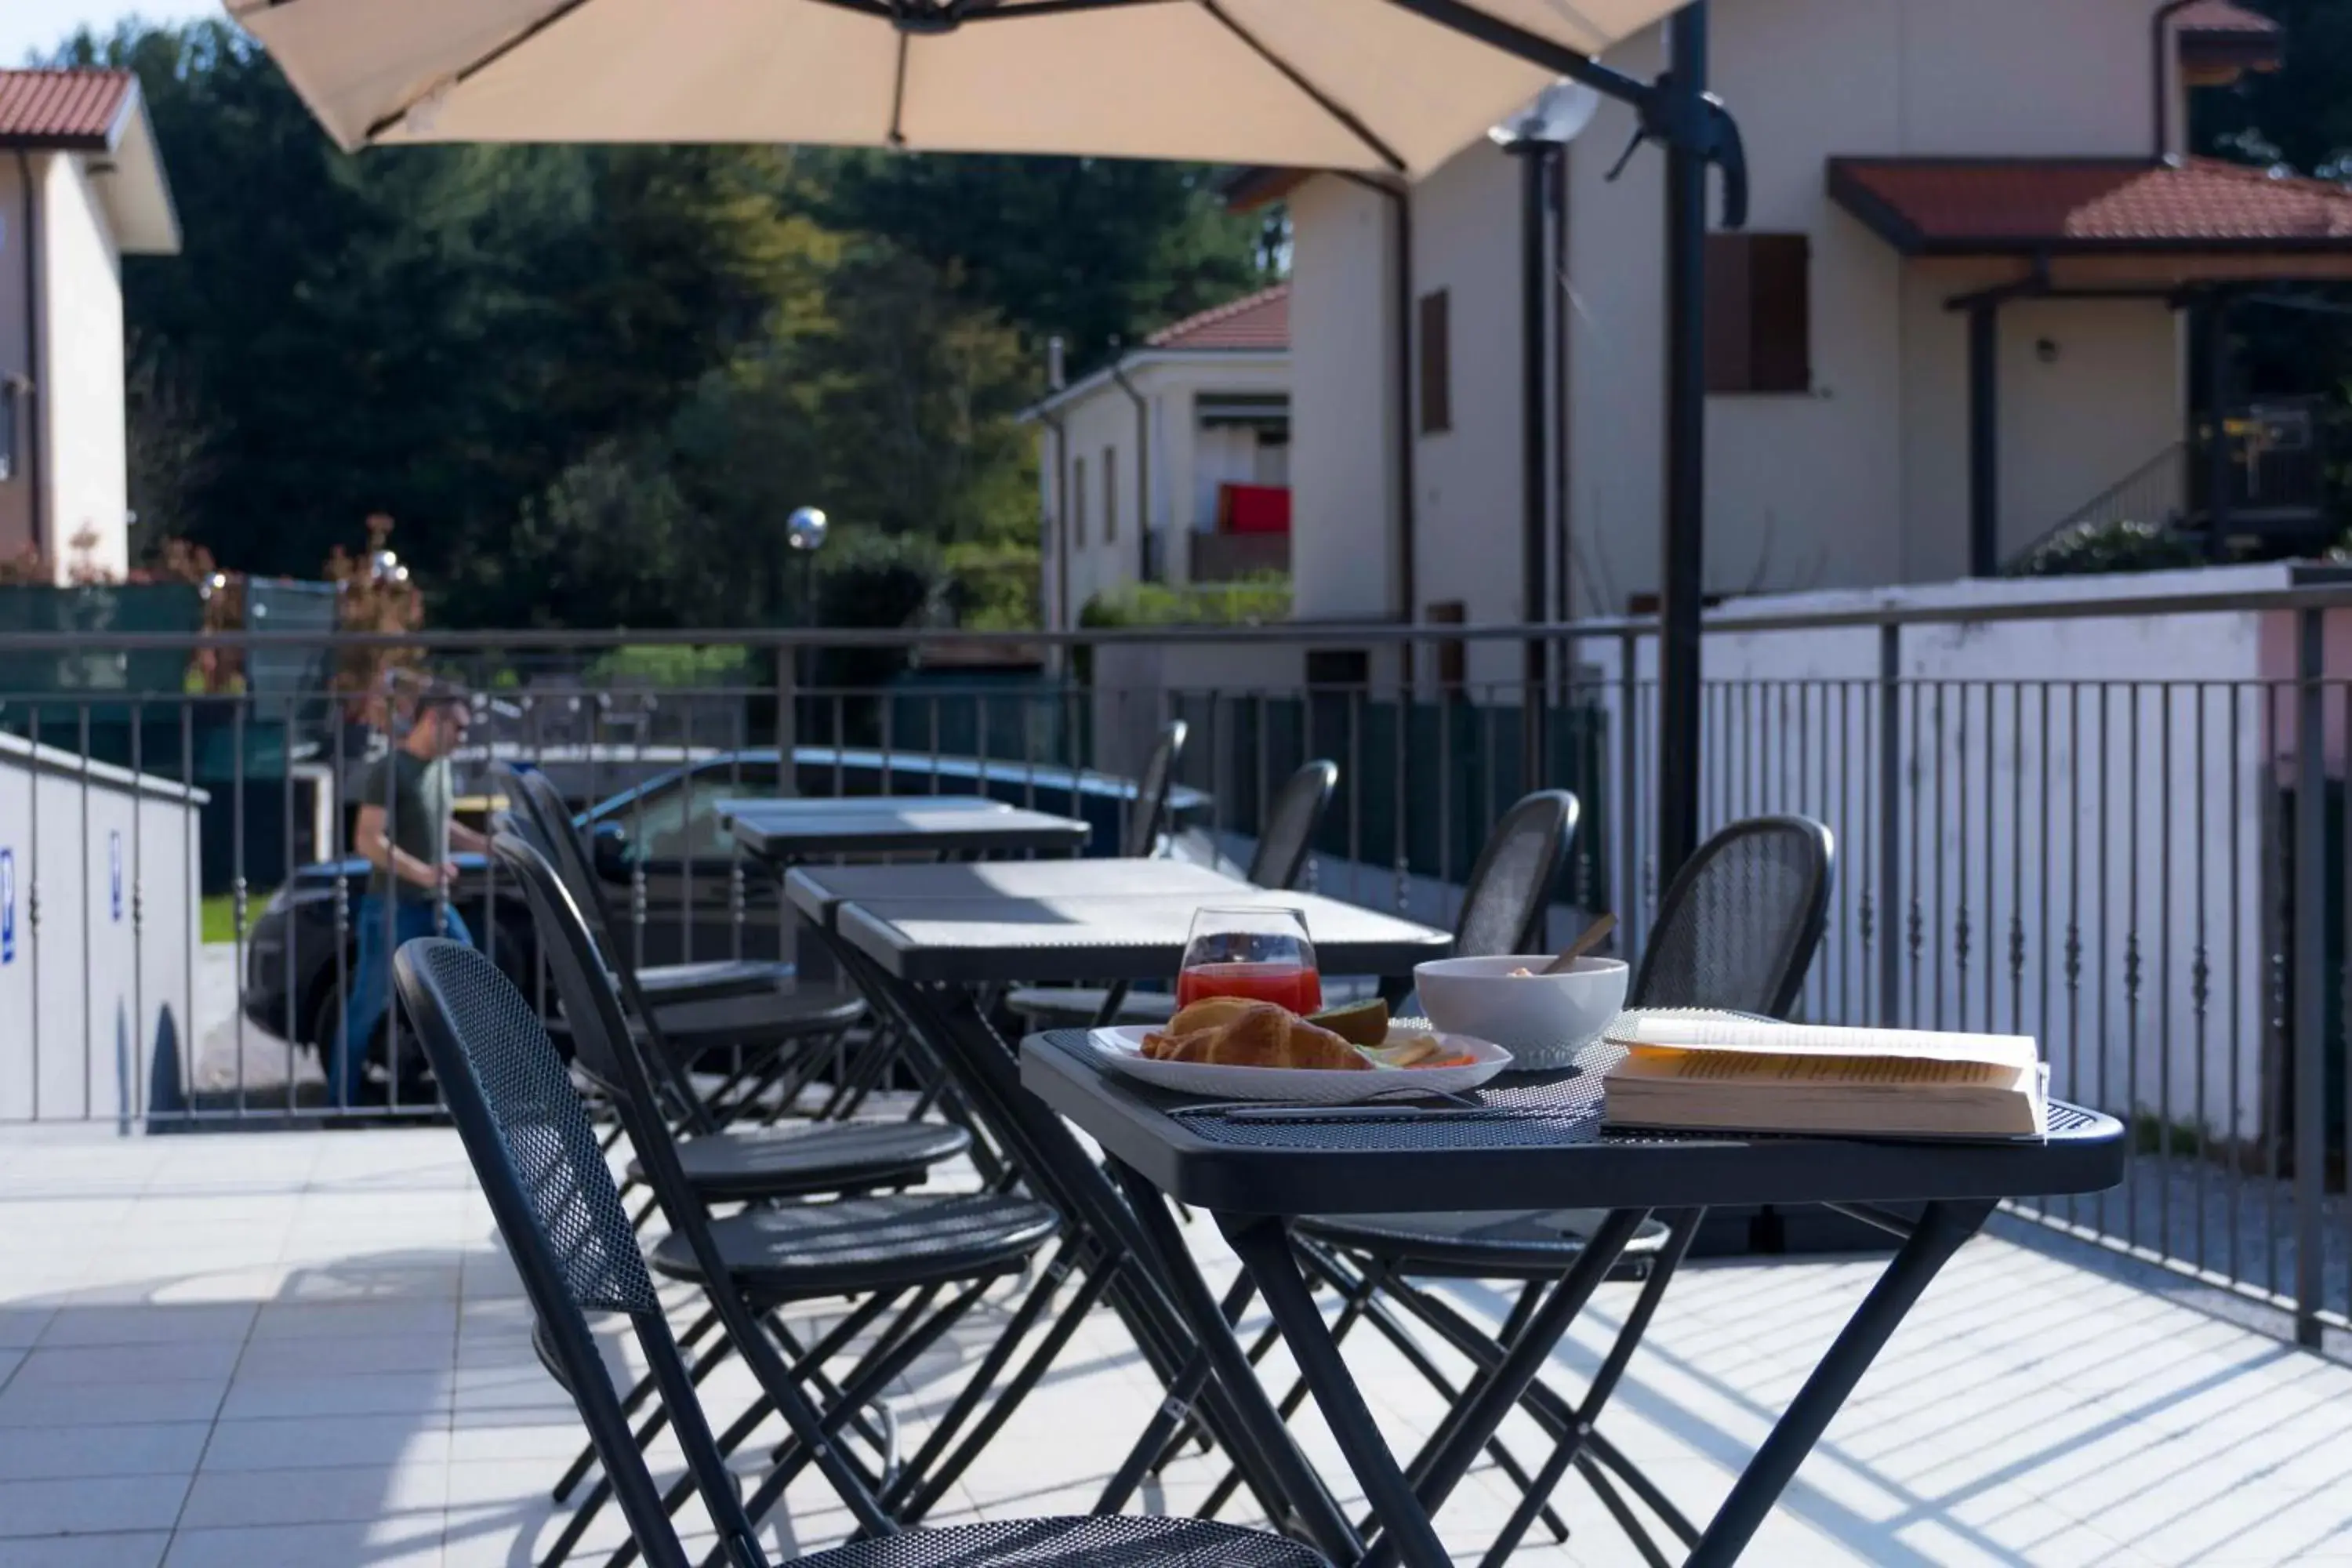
(680, 820)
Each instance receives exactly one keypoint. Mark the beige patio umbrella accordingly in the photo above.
(1342, 84)
(1394, 86)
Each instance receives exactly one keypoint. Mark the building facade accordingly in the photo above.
(82, 186)
(1170, 465)
(1959, 311)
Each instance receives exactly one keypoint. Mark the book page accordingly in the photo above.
(1875, 1072)
(1653, 1036)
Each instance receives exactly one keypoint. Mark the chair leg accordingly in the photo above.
(1091, 1291)
(861, 1389)
(1679, 1232)
(1034, 1304)
(636, 1397)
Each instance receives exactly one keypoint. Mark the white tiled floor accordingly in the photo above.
(306, 1348)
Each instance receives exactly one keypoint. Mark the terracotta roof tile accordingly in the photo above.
(62, 108)
(1259, 321)
(2222, 16)
(1960, 206)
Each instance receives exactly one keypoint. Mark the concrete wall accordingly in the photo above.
(2098, 786)
(1860, 481)
(99, 927)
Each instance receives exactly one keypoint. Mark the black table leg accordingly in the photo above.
(1258, 1425)
(1937, 1234)
(1477, 1420)
(1263, 1247)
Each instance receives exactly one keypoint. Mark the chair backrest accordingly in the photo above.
(1738, 928)
(528, 826)
(553, 1198)
(607, 1052)
(1510, 888)
(1149, 817)
(1288, 835)
(547, 819)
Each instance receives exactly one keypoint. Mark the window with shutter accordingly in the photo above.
(1078, 502)
(1111, 493)
(1437, 366)
(1759, 312)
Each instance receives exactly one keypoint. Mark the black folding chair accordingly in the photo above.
(1147, 818)
(756, 1011)
(887, 1249)
(1284, 845)
(535, 1154)
(1737, 931)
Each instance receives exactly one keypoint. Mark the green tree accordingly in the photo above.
(1099, 250)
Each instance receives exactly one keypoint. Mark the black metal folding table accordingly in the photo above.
(931, 963)
(1538, 1137)
(784, 832)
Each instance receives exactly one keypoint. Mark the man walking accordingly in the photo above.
(405, 833)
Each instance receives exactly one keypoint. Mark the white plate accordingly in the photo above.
(1120, 1050)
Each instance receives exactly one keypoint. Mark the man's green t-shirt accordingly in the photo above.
(416, 797)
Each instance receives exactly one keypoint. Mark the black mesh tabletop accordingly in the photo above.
(817, 890)
(793, 830)
(969, 941)
(1537, 1138)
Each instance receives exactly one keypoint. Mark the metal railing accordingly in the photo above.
(2117, 823)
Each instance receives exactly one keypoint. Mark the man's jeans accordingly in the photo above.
(371, 981)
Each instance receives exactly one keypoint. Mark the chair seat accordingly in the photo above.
(1075, 1006)
(1102, 1542)
(860, 1245)
(798, 1160)
(714, 979)
(758, 1019)
(1481, 1244)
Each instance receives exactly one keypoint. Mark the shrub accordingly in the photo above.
(1252, 600)
(2089, 548)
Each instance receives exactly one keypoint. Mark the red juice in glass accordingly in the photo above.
(1292, 985)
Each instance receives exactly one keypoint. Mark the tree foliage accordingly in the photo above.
(592, 382)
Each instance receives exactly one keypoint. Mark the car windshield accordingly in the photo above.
(680, 820)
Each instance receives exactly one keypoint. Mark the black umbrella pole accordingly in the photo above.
(1534, 324)
(1682, 572)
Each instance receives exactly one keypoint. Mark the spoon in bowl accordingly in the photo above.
(1591, 938)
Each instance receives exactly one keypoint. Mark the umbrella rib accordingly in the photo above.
(467, 72)
(899, 95)
(1298, 78)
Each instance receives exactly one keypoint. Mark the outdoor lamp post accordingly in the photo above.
(1536, 137)
(804, 533)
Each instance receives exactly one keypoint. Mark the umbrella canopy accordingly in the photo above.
(1371, 85)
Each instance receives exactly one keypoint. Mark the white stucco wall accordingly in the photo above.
(1861, 481)
(16, 491)
(84, 464)
(1344, 507)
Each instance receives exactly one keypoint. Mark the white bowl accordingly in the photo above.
(1543, 1020)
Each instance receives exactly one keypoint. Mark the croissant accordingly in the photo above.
(1261, 1035)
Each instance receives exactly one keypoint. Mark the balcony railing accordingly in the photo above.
(1230, 557)
(2117, 825)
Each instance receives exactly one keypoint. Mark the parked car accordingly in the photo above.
(670, 871)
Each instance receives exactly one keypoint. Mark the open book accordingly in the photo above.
(1732, 1075)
